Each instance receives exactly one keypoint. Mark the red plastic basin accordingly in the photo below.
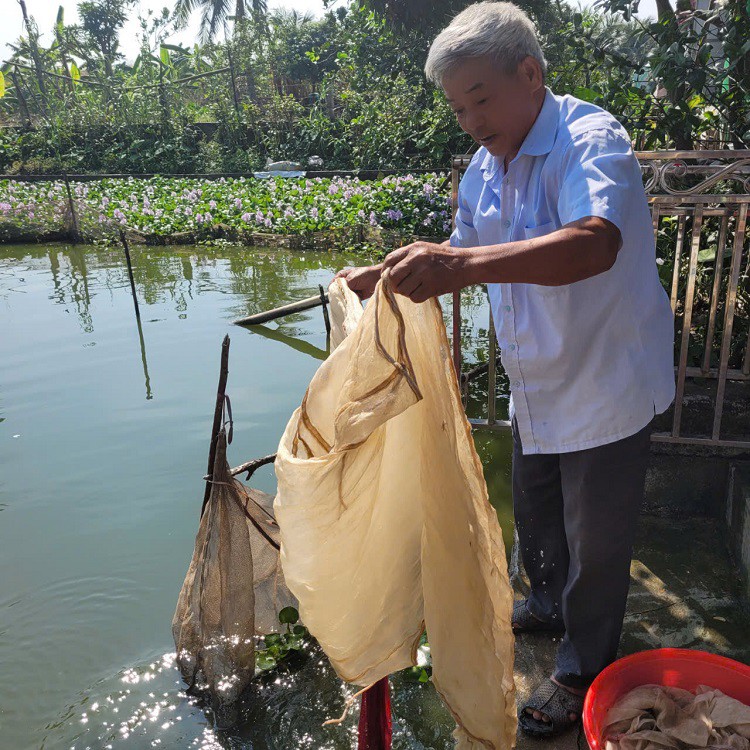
(673, 667)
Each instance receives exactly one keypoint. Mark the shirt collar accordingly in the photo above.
(539, 140)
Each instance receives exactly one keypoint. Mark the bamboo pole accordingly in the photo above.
(218, 412)
(323, 301)
(280, 312)
(124, 241)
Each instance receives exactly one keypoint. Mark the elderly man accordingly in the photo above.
(552, 216)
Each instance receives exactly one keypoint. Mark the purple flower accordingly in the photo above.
(246, 216)
(212, 205)
(119, 214)
(199, 218)
(373, 220)
(267, 222)
(314, 212)
(394, 215)
(238, 203)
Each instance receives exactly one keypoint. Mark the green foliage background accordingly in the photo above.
(348, 87)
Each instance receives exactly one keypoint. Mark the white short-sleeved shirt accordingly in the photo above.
(589, 362)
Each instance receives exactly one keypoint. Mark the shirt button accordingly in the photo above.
(512, 347)
(516, 383)
(507, 308)
(506, 223)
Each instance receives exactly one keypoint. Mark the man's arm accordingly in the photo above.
(577, 251)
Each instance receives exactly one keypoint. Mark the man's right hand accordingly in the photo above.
(361, 280)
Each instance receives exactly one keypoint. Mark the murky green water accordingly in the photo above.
(103, 441)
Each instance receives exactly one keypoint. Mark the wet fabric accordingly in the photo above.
(653, 717)
(385, 522)
(234, 587)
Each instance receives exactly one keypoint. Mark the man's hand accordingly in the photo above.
(423, 270)
(361, 280)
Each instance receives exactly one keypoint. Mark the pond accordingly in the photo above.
(104, 431)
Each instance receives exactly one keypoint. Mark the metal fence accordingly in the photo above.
(699, 202)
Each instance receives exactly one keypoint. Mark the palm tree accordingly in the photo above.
(216, 13)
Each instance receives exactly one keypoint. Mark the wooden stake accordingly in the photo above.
(124, 241)
(250, 466)
(218, 412)
(323, 301)
(72, 207)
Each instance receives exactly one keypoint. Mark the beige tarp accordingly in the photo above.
(385, 521)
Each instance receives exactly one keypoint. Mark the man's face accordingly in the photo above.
(495, 108)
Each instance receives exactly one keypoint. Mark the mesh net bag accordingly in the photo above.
(385, 521)
(234, 587)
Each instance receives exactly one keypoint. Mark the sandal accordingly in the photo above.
(555, 702)
(523, 621)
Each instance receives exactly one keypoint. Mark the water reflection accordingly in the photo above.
(94, 547)
(298, 344)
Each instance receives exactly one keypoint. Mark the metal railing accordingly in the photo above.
(699, 202)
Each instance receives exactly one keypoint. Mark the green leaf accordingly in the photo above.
(265, 661)
(588, 95)
(164, 55)
(2, 85)
(288, 616)
(75, 74)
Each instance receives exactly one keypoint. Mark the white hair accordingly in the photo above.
(501, 31)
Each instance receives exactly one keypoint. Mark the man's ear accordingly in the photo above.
(531, 73)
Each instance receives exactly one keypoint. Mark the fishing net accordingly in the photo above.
(234, 587)
(386, 526)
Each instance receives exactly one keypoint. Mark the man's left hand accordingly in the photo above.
(423, 270)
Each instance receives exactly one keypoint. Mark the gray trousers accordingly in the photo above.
(576, 516)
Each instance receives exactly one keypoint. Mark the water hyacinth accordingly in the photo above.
(408, 204)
